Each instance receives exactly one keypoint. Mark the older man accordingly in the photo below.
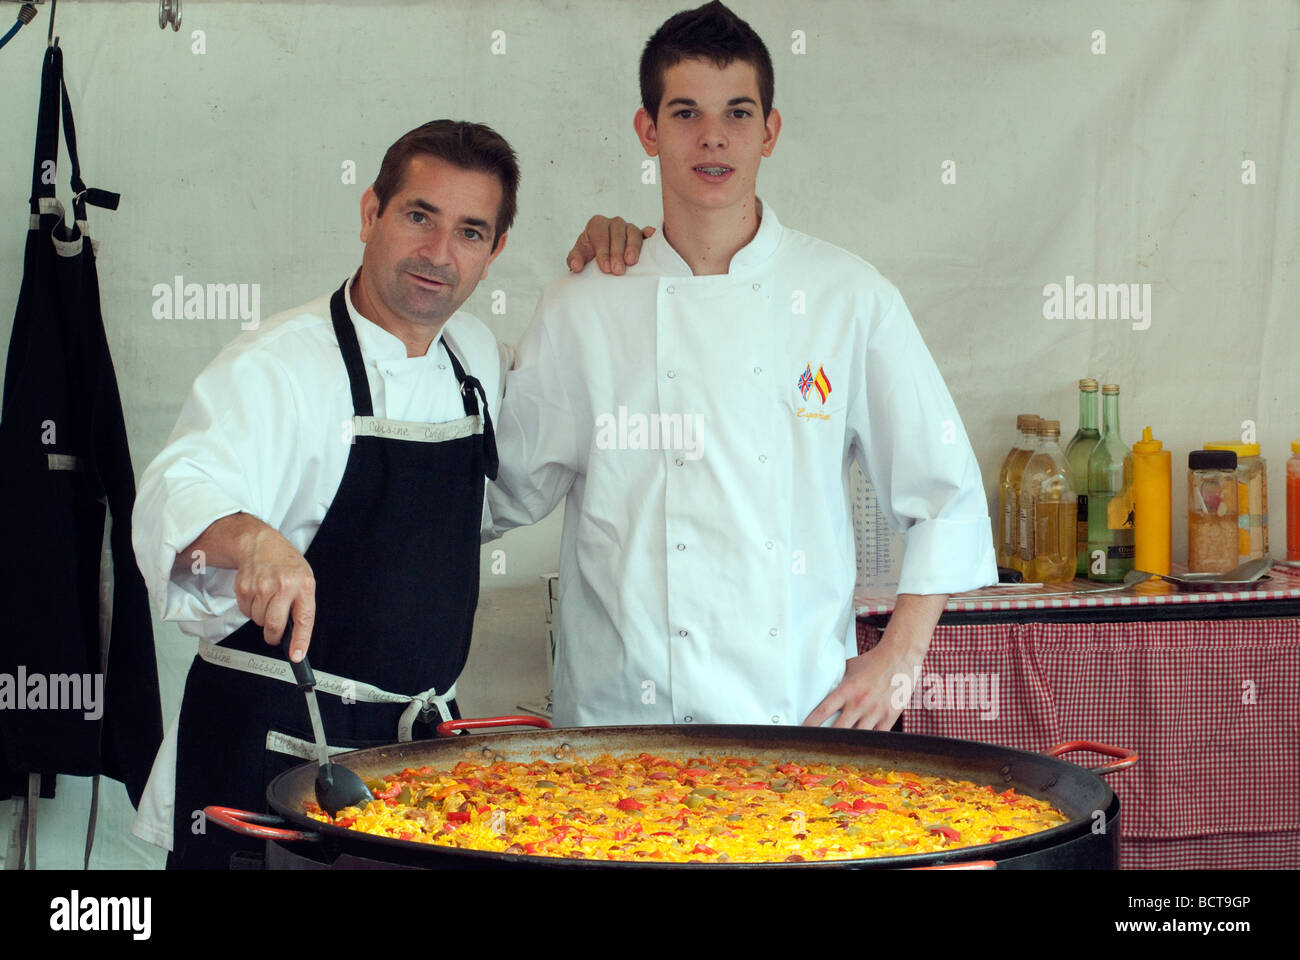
(326, 479)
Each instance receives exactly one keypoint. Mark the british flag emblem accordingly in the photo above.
(806, 381)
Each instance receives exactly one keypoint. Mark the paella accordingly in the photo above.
(658, 808)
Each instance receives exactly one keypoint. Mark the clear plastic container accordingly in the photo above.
(1211, 511)
(1252, 499)
(1048, 511)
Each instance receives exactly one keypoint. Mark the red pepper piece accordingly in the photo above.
(458, 816)
(863, 805)
(841, 806)
(627, 803)
(948, 832)
(701, 848)
(532, 820)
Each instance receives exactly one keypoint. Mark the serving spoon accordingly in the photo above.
(336, 786)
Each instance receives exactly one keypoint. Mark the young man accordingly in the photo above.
(703, 442)
(328, 470)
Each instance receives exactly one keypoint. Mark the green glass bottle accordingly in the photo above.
(1110, 497)
(1077, 452)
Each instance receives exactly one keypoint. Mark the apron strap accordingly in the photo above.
(94, 816)
(263, 666)
(54, 98)
(362, 405)
(82, 194)
(469, 386)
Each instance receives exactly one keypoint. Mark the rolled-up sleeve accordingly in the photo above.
(910, 441)
(234, 449)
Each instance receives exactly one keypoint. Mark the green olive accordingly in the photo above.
(546, 784)
(735, 816)
(693, 801)
(782, 786)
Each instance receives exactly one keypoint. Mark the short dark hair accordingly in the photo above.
(711, 32)
(470, 146)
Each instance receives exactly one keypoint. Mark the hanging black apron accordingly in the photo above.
(72, 601)
(396, 563)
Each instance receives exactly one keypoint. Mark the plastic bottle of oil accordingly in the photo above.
(1076, 453)
(1048, 511)
(1008, 546)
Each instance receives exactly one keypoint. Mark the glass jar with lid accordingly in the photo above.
(1252, 499)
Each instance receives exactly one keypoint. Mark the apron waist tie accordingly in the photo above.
(349, 690)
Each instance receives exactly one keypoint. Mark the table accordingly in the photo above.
(1205, 686)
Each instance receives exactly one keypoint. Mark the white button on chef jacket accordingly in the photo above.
(721, 590)
(264, 431)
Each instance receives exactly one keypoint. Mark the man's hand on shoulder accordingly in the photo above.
(272, 579)
(614, 244)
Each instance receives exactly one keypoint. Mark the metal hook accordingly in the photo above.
(169, 11)
(51, 40)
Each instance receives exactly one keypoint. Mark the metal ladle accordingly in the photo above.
(336, 786)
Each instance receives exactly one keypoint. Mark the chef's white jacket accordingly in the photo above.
(707, 562)
(266, 431)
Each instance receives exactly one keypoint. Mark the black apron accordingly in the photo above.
(65, 468)
(396, 562)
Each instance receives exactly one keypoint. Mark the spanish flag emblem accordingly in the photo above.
(822, 383)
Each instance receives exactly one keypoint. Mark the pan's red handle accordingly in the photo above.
(1126, 758)
(249, 824)
(967, 865)
(448, 727)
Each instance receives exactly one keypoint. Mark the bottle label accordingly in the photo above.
(1026, 533)
(1081, 520)
(1120, 551)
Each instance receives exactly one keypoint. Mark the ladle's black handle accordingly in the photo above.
(302, 673)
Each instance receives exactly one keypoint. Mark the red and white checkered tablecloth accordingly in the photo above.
(1282, 582)
(1211, 707)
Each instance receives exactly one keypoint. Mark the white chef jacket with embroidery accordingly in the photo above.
(701, 430)
(266, 431)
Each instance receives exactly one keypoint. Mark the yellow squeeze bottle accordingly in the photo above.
(1152, 505)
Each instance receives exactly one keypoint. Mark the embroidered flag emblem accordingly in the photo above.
(822, 383)
(806, 381)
